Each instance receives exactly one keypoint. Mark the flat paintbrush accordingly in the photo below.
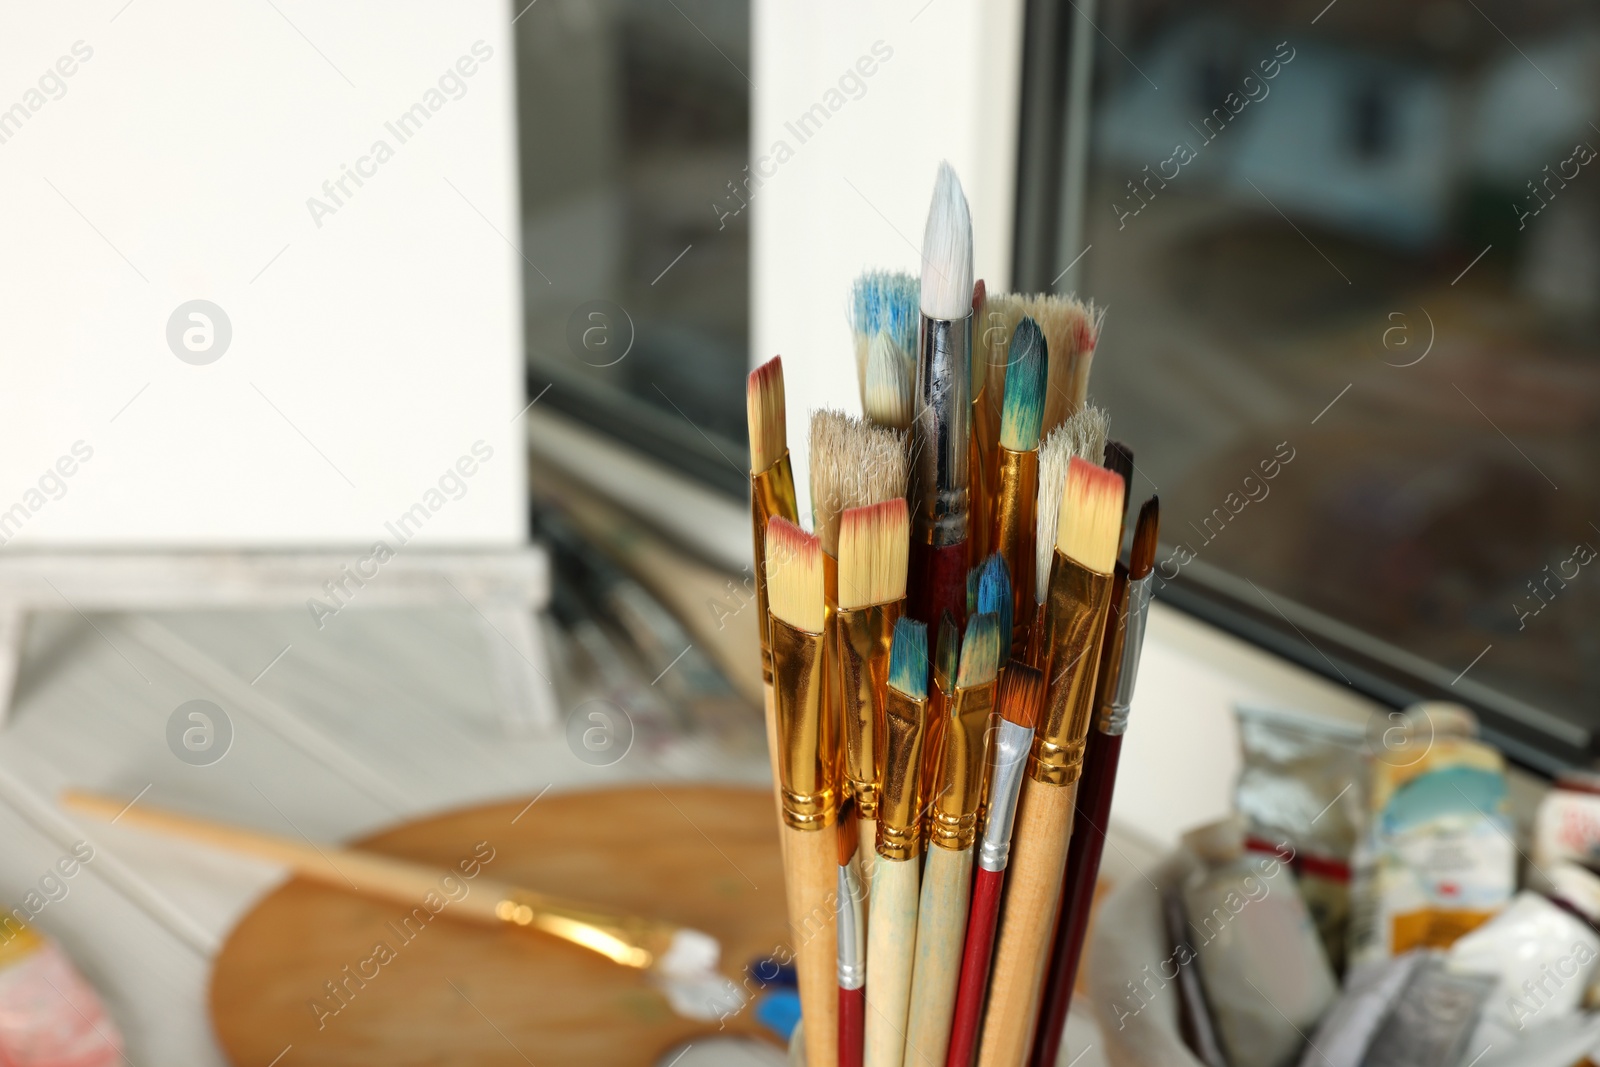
(1013, 530)
(1021, 693)
(947, 876)
(941, 421)
(891, 377)
(771, 494)
(1124, 638)
(807, 758)
(1075, 618)
(1083, 435)
(892, 925)
(882, 301)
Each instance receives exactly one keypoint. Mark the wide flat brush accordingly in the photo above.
(852, 940)
(1124, 638)
(892, 925)
(882, 301)
(947, 876)
(771, 495)
(1072, 331)
(1021, 694)
(1083, 435)
(873, 545)
(941, 422)
(807, 759)
(1018, 488)
(1075, 618)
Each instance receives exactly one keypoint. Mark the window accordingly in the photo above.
(634, 122)
(1352, 261)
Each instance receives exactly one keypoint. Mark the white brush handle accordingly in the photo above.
(891, 948)
(941, 929)
(811, 877)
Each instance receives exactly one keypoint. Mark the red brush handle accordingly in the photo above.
(852, 1025)
(1083, 870)
(939, 584)
(982, 917)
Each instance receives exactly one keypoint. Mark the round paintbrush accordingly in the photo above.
(852, 920)
(891, 375)
(1012, 532)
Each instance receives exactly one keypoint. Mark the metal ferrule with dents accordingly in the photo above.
(1114, 717)
(899, 807)
(1014, 533)
(939, 426)
(1011, 744)
(864, 636)
(630, 942)
(1074, 621)
(771, 493)
(959, 784)
(852, 928)
(805, 735)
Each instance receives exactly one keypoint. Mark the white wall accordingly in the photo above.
(855, 193)
(371, 346)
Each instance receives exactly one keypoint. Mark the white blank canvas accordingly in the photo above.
(159, 152)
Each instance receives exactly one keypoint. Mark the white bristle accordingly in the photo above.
(890, 377)
(947, 251)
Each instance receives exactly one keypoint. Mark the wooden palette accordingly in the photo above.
(458, 993)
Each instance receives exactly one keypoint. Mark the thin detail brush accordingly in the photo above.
(852, 939)
(771, 495)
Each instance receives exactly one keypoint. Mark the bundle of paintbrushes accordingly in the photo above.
(941, 652)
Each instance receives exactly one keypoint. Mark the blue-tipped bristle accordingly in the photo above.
(888, 301)
(908, 658)
(980, 651)
(994, 597)
(1023, 411)
(947, 652)
(972, 588)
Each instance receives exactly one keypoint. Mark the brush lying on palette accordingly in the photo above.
(947, 655)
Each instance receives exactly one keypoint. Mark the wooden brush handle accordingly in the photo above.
(811, 879)
(976, 953)
(938, 584)
(852, 1019)
(891, 948)
(867, 852)
(1033, 893)
(941, 923)
(1083, 870)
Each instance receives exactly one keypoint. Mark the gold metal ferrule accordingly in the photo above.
(1013, 534)
(900, 807)
(832, 697)
(771, 493)
(805, 735)
(632, 942)
(1075, 619)
(962, 766)
(1112, 650)
(864, 636)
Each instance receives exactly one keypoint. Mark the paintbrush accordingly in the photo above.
(806, 766)
(771, 494)
(873, 546)
(852, 926)
(994, 597)
(1013, 530)
(1124, 638)
(943, 406)
(1075, 617)
(947, 877)
(882, 301)
(891, 376)
(1083, 435)
(1071, 332)
(981, 440)
(643, 944)
(946, 665)
(1021, 693)
(892, 926)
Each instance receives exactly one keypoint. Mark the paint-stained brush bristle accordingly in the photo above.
(980, 651)
(947, 251)
(994, 598)
(763, 401)
(1069, 325)
(1021, 693)
(853, 463)
(908, 658)
(1023, 412)
(947, 651)
(1054, 455)
(1091, 516)
(991, 339)
(891, 377)
(882, 301)
(849, 831)
(874, 550)
(1142, 560)
(794, 575)
(974, 576)
(1086, 431)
